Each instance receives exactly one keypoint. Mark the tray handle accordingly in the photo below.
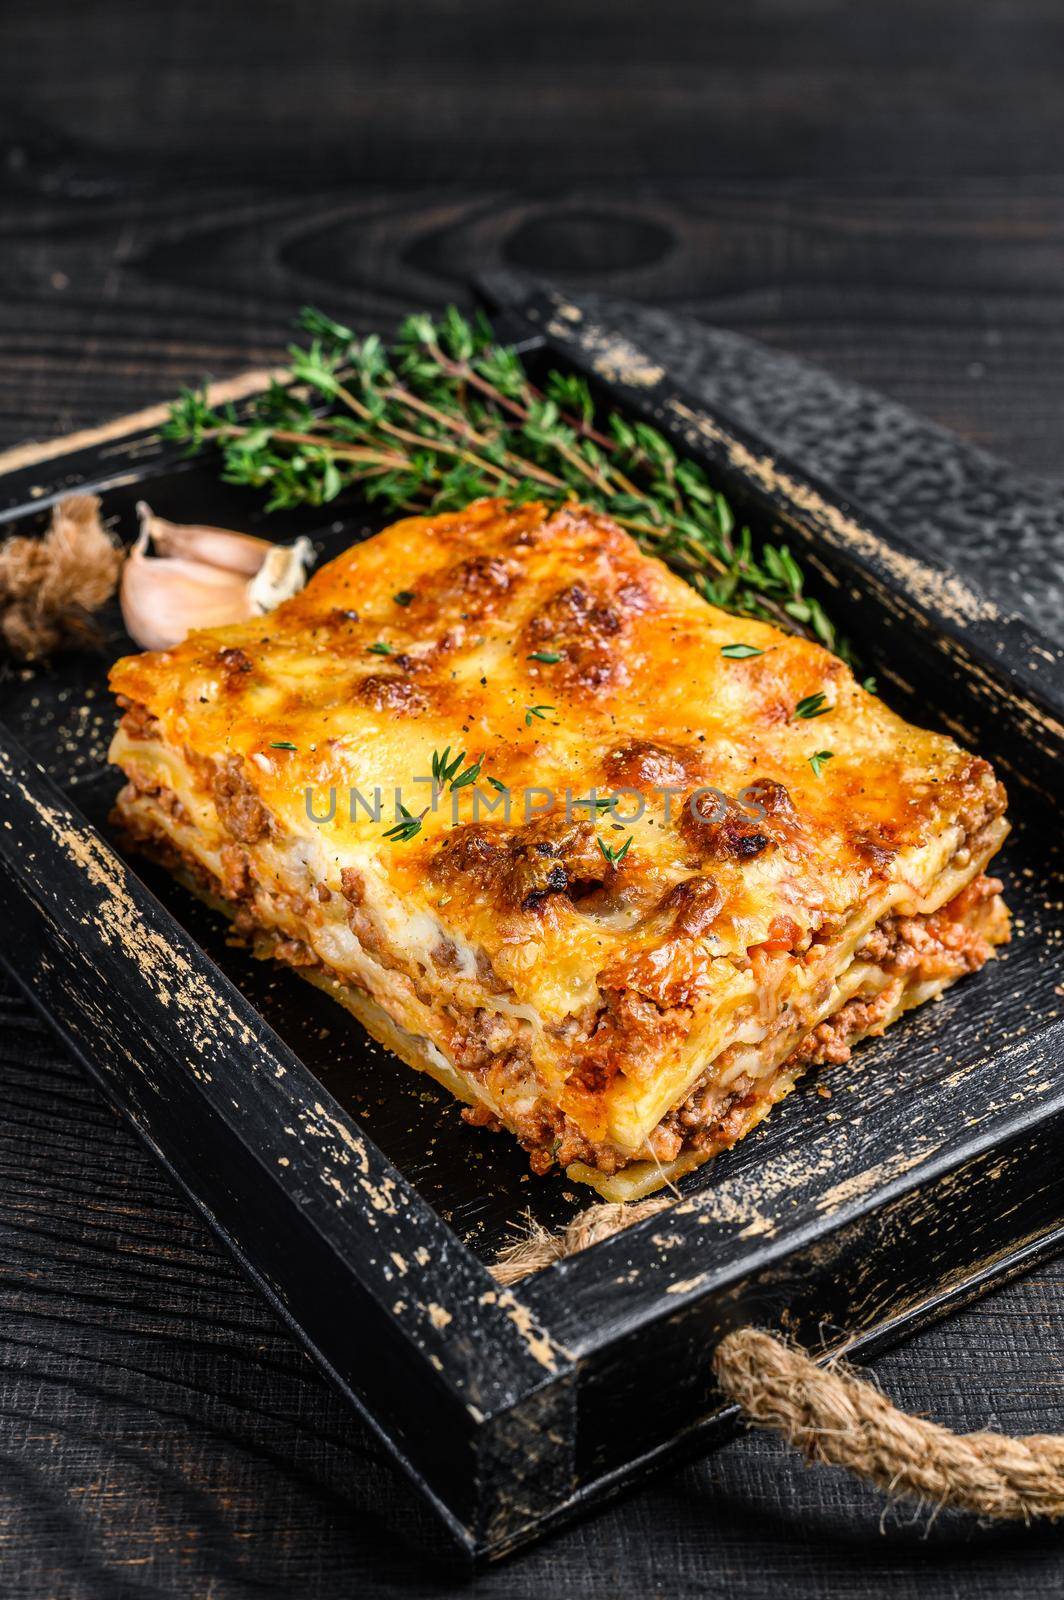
(830, 1413)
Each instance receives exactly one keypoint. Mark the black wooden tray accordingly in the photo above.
(347, 1186)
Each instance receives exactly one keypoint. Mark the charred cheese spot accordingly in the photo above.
(874, 845)
(692, 905)
(767, 796)
(673, 966)
(476, 587)
(234, 662)
(382, 692)
(718, 828)
(526, 532)
(520, 869)
(651, 764)
(634, 597)
(760, 818)
(587, 629)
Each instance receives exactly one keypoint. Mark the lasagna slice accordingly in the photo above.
(612, 865)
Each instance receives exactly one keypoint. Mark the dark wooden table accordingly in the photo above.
(880, 189)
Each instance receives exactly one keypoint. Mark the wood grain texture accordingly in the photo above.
(877, 189)
(114, 302)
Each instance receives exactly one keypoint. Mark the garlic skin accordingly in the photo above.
(202, 578)
(281, 575)
(218, 547)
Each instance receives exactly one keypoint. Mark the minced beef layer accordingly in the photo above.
(709, 1119)
(945, 944)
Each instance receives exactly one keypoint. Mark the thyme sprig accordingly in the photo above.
(447, 415)
(613, 855)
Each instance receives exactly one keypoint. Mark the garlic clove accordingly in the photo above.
(218, 547)
(163, 599)
(203, 578)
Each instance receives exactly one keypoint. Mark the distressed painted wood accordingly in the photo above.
(366, 1211)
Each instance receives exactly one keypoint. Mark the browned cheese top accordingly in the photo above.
(546, 643)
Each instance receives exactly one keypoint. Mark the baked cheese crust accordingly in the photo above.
(627, 989)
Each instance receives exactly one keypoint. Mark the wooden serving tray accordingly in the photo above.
(347, 1187)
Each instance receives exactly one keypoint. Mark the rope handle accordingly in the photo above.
(830, 1413)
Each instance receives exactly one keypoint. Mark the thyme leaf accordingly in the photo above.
(470, 775)
(405, 829)
(813, 705)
